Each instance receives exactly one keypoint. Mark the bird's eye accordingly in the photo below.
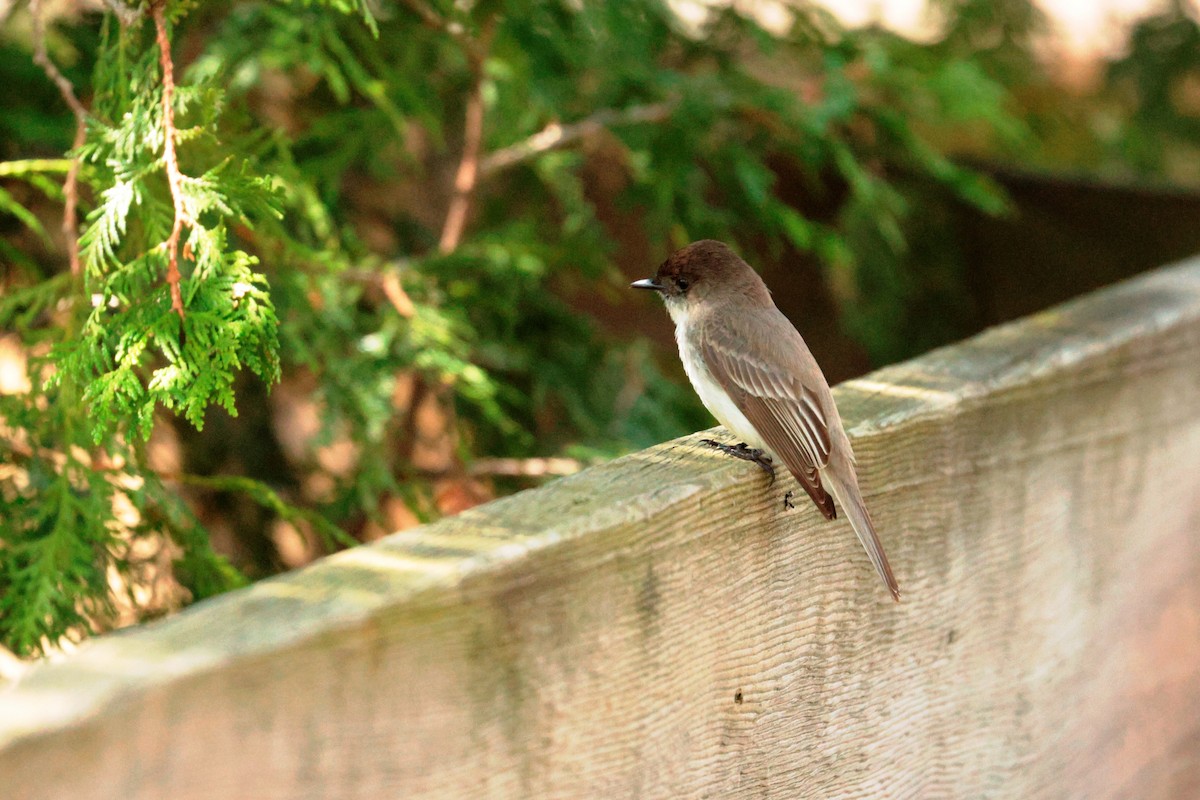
(682, 283)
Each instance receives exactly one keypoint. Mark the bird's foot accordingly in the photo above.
(746, 453)
(787, 500)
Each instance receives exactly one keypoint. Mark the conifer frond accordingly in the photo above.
(300, 217)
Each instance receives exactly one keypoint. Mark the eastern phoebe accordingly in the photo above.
(755, 374)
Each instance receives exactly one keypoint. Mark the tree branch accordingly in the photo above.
(555, 136)
(70, 223)
(42, 59)
(393, 290)
(467, 175)
(174, 176)
(265, 496)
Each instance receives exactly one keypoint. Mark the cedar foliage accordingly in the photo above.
(319, 144)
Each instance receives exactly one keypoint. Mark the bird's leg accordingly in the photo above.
(787, 500)
(746, 453)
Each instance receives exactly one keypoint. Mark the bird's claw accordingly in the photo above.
(787, 500)
(746, 453)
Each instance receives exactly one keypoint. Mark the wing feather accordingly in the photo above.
(785, 414)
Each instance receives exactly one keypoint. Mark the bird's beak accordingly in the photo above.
(647, 283)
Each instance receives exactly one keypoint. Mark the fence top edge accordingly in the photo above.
(425, 562)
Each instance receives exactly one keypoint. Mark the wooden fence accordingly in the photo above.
(660, 627)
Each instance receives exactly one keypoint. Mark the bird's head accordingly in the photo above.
(704, 270)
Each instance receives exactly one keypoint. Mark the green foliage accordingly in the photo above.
(229, 320)
(61, 537)
(57, 538)
(34, 172)
(124, 353)
(1157, 77)
(319, 142)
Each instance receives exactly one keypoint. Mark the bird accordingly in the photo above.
(754, 373)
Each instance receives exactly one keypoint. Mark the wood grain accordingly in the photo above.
(659, 627)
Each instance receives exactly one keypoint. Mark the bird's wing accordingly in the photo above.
(785, 413)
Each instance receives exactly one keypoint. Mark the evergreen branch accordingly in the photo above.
(174, 176)
(267, 497)
(465, 180)
(467, 176)
(70, 223)
(28, 166)
(555, 136)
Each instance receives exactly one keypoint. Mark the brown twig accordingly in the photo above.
(174, 176)
(467, 176)
(555, 136)
(393, 290)
(42, 59)
(70, 224)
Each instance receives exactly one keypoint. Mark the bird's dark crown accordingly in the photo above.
(704, 265)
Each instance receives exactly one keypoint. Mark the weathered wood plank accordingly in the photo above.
(659, 627)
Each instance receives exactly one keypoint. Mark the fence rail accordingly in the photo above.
(660, 627)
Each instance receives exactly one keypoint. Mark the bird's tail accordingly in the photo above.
(849, 500)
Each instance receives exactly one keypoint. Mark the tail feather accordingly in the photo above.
(849, 500)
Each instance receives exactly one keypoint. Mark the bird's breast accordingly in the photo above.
(711, 393)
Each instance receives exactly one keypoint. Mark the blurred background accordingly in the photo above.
(447, 202)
